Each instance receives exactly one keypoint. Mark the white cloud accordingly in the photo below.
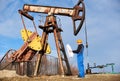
(10, 28)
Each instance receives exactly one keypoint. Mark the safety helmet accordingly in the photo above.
(79, 41)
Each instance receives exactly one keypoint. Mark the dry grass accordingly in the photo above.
(93, 77)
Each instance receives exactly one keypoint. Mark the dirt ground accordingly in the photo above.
(11, 76)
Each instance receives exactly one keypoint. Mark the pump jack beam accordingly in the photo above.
(77, 12)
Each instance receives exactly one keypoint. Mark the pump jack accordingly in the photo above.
(50, 26)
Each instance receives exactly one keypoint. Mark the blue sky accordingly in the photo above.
(102, 22)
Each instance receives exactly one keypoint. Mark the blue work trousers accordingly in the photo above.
(80, 65)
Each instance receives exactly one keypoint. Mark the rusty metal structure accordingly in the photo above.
(49, 66)
(28, 50)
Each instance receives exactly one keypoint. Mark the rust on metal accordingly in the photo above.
(49, 9)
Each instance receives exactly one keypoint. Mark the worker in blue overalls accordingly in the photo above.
(79, 52)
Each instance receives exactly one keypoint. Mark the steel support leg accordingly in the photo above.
(58, 51)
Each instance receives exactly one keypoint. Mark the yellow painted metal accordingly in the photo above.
(35, 44)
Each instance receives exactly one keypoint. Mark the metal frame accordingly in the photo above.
(51, 27)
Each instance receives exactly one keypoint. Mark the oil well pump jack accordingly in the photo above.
(28, 50)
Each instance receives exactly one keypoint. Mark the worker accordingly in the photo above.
(80, 58)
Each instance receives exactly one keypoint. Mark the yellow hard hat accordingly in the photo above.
(79, 41)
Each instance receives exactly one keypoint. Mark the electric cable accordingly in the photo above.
(86, 37)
